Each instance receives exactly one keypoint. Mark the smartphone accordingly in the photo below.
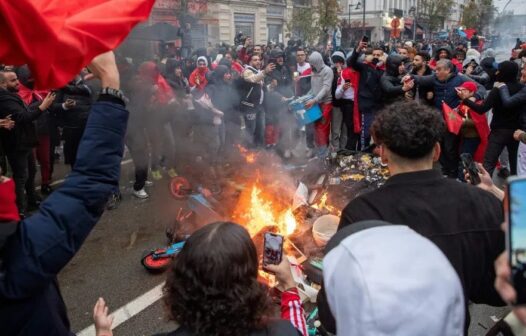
(365, 39)
(469, 165)
(272, 249)
(516, 239)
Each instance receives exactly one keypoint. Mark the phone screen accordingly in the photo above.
(365, 39)
(517, 236)
(273, 249)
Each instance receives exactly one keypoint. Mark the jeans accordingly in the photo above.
(338, 129)
(521, 160)
(255, 126)
(365, 139)
(498, 140)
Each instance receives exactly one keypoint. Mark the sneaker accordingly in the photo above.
(172, 173)
(45, 189)
(114, 201)
(140, 194)
(287, 154)
(148, 183)
(156, 174)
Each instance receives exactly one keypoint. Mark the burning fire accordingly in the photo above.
(260, 212)
(250, 157)
(322, 204)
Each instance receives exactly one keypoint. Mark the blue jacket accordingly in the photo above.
(445, 91)
(30, 300)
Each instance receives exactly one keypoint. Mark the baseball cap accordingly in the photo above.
(470, 86)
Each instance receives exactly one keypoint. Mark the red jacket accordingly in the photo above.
(197, 73)
(354, 76)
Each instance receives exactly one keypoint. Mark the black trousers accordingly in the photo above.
(353, 139)
(72, 137)
(449, 157)
(498, 140)
(23, 165)
(138, 146)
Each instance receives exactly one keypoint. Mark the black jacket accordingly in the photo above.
(23, 136)
(517, 100)
(369, 86)
(77, 116)
(465, 225)
(503, 118)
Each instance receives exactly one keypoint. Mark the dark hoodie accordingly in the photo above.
(221, 93)
(433, 62)
(391, 79)
(503, 118)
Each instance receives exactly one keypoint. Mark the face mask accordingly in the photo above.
(375, 61)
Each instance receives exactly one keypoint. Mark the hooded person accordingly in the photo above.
(445, 52)
(198, 78)
(392, 86)
(321, 82)
(472, 68)
(366, 279)
(489, 64)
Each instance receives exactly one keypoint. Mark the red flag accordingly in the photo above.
(452, 118)
(56, 38)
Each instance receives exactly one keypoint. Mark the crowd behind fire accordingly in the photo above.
(414, 276)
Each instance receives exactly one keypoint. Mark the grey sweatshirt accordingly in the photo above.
(321, 80)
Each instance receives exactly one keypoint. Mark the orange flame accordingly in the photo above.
(322, 205)
(260, 212)
(250, 157)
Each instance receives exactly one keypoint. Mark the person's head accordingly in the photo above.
(255, 61)
(202, 64)
(178, 71)
(362, 295)
(212, 286)
(395, 65)
(338, 58)
(460, 55)
(257, 50)
(301, 56)
(444, 69)
(420, 60)
(9, 81)
(443, 53)
(228, 56)
(507, 72)
(467, 89)
(378, 54)
(408, 135)
(280, 60)
(403, 52)
(316, 61)
(222, 73)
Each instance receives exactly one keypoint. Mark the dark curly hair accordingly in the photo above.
(212, 286)
(408, 129)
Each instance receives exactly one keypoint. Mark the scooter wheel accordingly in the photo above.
(180, 187)
(155, 265)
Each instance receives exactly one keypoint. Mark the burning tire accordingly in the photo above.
(180, 188)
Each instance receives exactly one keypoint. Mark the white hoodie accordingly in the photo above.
(389, 280)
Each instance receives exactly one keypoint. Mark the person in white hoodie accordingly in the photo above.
(386, 279)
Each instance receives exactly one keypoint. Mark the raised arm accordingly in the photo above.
(512, 101)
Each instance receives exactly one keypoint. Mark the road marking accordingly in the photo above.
(125, 162)
(130, 309)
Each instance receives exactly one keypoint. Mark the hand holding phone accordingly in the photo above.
(469, 165)
(272, 249)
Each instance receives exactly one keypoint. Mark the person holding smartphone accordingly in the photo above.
(213, 289)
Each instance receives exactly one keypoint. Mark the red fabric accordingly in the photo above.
(243, 55)
(197, 73)
(452, 119)
(237, 67)
(8, 209)
(42, 152)
(469, 32)
(292, 310)
(56, 38)
(322, 127)
(354, 76)
(272, 133)
(481, 124)
(29, 96)
(149, 71)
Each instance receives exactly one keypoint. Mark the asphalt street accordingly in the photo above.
(108, 265)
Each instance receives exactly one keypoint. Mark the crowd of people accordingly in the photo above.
(386, 100)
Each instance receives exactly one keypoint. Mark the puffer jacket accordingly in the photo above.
(478, 74)
(391, 79)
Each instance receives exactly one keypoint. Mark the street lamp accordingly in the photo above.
(356, 7)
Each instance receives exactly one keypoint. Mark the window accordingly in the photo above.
(244, 23)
